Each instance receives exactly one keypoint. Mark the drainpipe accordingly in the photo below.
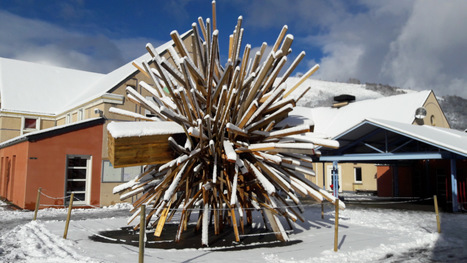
(455, 203)
(324, 177)
(335, 179)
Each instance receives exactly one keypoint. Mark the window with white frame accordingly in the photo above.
(111, 174)
(80, 114)
(357, 174)
(68, 118)
(30, 124)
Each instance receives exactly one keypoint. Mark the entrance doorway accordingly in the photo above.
(78, 178)
(329, 177)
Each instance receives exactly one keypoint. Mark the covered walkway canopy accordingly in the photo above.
(377, 141)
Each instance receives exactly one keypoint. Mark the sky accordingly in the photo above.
(408, 44)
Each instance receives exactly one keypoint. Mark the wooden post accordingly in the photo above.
(142, 233)
(322, 210)
(438, 223)
(38, 199)
(336, 225)
(69, 215)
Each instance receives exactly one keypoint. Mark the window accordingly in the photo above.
(68, 118)
(29, 125)
(358, 174)
(118, 175)
(80, 114)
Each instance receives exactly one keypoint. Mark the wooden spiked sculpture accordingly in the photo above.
(215, 147)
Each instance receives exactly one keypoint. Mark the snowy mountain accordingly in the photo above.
(455, 109)
(322, 94)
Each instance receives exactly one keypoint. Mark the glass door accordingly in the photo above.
(78, 178)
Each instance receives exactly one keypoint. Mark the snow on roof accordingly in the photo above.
(104, 84)
(36, 88)
(445, 138)
(43, 133)
(298, 116)
(112, 79)
(322, 90)
(143, 128)
(401, 108)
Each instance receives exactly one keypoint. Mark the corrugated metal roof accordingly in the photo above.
(447, 139)
(377, 132)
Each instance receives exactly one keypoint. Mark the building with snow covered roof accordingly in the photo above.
(390, 160)
(331, 121)
(35, 98)
(412, 160)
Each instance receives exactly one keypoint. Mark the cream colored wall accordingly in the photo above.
(107, 197)
(435, 115)
(10, 127)
(348, 176)
(61, 121)
(368, 177)
(45, 124)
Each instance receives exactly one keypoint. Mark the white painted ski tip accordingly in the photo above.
(215, 33)
(173, 32)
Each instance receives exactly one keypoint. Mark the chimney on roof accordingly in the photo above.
(342, 100)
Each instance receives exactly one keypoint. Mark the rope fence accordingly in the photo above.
(142, 240)
(55, 198)
(64, 199)
(389, 203)
(226, 208)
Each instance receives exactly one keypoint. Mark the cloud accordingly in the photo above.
(356, 45)
(37, 41)
(417, 45)
(429, 52)
(302, 15)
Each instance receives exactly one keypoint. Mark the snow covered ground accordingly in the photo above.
(366, 234)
